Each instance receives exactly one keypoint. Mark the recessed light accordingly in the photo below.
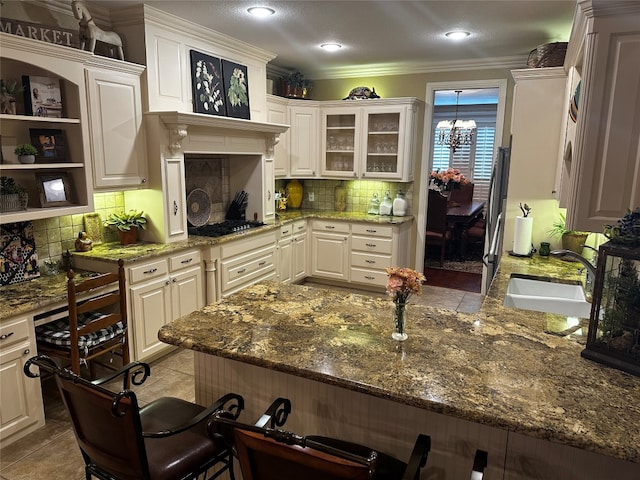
(331, 47)
(457, 34)
(261, 12)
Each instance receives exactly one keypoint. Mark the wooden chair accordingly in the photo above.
(438, 232)
(462, 195)
(95, 326)
(267, 453)
(164, 440)
(474, 235)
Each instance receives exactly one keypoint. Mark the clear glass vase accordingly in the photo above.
(399, 314)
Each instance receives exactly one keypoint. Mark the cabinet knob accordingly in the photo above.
(167, 283)
(175, 208)
(355, 174)
(143, 181)
(26, 351)
(175, 280)
(5, 336)
(364, 174)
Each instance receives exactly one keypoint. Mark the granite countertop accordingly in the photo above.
(497, 367)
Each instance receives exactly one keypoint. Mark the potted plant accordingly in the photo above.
(26, 153)
(127, 224)
(294, 85)
(571, 239)
(8, 91)
(12, 196)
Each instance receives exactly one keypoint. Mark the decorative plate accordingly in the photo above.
(93, 227)
(198, 207)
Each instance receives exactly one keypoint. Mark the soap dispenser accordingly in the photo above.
(374, 205)
(386, 205)
(399, 205)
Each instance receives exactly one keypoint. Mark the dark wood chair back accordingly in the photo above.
(462, 195)
(437, 213)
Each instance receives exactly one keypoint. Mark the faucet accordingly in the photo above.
(590, 267)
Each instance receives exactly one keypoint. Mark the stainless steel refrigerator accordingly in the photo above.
(496, 205)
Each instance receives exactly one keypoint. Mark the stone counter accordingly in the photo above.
(494, 368)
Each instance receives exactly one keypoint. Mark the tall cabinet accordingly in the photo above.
(604, 180)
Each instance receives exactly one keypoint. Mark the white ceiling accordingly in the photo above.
(382, 37)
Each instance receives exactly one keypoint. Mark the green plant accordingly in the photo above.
(9, 186)
(123, 221)
(25, 149)
(296, 80)
(10, 88)
(559, 228)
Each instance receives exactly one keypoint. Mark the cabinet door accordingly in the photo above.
(151, 307)
(383, 143)
(330, 255)
(277, 113)
(341, 142)
(285, 259)
(117, 139)
(21, 399)
(175, 195)
(187, 293)
(299, 257)
(269, 204)
(304, 141)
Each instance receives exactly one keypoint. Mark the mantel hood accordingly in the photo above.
(179, 123)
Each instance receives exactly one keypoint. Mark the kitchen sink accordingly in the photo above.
(547, 295)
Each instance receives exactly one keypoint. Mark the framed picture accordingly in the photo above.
(54, 189)
(42, 96)
(206, 82)
(50, 144)
(236, 89)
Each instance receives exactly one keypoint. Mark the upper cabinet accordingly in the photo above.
(115, 120)
(374, 139)
(67, 168)
(604, 179)
(304, 139)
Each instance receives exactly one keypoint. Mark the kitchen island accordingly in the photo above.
(483, 380)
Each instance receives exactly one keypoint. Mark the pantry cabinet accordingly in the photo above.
(21, 407)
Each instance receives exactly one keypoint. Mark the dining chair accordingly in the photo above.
(96, 324)
(166, 439)
(266, 453)
(462, 195)
(438, 232)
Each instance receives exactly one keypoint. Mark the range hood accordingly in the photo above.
(179, 124)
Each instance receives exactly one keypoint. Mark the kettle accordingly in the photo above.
(386, 205)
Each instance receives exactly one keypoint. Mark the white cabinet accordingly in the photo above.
(21, 409)
(175, 199)
(247, 260)
(292, 252)
(277, 112)
(378, 140)
(23, 56)
(330, 249)
(304, 136)
(605, 171)
(115, 121)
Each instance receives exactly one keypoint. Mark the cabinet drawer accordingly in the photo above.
(247, 244)
(299, 226)
(244, 269)
(286, 230)
(187, 259)
(372, 230)
(329, 226)
(374, 245)
(370, 277)
(12, 331)
(148, 271)
(370, 260)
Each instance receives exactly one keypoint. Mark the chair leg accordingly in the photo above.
(442, 247)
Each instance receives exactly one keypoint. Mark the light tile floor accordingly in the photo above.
(51, 453)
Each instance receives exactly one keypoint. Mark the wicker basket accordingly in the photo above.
(547, 55)
(13, 202)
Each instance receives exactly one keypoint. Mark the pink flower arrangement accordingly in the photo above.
(403, 282)
(448, 179)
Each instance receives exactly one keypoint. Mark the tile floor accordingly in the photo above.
(51, 452)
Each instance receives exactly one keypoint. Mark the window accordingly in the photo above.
(474, 161)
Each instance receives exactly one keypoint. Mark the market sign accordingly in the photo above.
(36, 31)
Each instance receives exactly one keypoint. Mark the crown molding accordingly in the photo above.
(538, 73)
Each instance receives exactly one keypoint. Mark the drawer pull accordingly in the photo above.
(26, 351)
(5, 336)
(371, 245)
(330, 227)
(285, 232)
(369, 277)
(300, 228)
(242, 270)
(150, 271)
(188, 260)
(370, 261)
(175, 208)
(262, 264)
(370, 230)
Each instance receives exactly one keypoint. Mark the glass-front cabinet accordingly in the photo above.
(370, 139)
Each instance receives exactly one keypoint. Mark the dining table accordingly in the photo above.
(461, 216)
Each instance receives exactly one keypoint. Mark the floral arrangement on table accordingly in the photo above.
(448, 179)
(402, 283)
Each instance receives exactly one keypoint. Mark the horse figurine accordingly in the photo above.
(90, 32)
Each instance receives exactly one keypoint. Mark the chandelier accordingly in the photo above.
(455, 133)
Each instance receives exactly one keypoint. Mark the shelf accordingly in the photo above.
(27, 118)
(39, 166)
(386, 132)
(33, 213)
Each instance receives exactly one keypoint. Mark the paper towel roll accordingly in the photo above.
(522, 236)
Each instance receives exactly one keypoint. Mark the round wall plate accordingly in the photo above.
(198, 207)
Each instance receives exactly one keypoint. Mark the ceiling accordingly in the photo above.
(382, 37)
